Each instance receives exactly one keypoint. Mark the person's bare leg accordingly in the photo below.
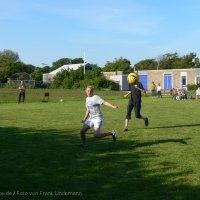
(97, 134)
(83, 132)
(126, 125)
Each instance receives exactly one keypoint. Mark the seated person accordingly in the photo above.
(184, 94)
(174, 93)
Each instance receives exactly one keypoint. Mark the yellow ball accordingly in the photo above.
(132, 78)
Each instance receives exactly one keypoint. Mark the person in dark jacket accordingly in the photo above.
(22, 87)
(135, 102)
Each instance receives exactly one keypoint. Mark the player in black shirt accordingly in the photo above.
(135, 102)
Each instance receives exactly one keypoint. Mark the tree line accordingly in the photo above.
(10, 64)
(169, 61)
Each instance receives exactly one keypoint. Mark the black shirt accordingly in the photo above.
(136, 93)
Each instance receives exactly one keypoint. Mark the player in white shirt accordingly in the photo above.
(93, 117)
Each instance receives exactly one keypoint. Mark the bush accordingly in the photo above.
(191, 87)
(11, 85)
(113, 85)
(76, 85)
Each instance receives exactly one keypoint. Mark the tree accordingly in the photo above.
(174, 61)
(77, 61)
(28, 68)
(37, 75)
(38, 72)
(148, 64)
(45, 69)
(196, 63)
(93, 71)
(60, 63)
(8, 56)
(169, 61)
(121, 64)
(188, 61)
(11, 64)
(60, 78)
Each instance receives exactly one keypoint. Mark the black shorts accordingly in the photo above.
(137, 108)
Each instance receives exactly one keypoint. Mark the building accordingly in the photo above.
(119, 77)
(168, 78)
(173, 78)
(47, 78)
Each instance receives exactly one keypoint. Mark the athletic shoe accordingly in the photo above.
(146, 121)
(125, 129)
(83, 145)
(114, 135)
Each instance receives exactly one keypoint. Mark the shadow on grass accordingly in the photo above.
(175, 126)
(181, 141)
(37, 161)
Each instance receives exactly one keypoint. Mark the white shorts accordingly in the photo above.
(96, 122)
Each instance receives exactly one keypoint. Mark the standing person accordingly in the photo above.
(198, 89)
(93, 116)
(135, 102)
(22, 87)
(159, 88)
(153, 89)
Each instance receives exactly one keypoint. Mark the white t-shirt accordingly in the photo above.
(159, 88)
(93, 106)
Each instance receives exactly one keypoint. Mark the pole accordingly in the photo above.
(84, 62)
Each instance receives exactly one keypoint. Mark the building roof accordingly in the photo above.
(67, 67)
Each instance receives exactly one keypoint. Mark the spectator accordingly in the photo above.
(153, 89)
(22, 87)
(159, 92)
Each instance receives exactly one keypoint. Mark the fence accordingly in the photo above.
(27, 82)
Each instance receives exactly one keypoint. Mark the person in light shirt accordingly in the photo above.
(93, 117)
(159, 92)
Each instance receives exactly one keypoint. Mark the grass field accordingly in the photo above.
(40, 157)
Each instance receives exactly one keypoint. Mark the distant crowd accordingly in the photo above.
(176, 93)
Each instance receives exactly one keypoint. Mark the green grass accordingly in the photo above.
(37, 95)
(39, 150)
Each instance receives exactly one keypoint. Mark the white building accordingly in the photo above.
(47, 78)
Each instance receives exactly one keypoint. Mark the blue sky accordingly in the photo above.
(43, 31)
